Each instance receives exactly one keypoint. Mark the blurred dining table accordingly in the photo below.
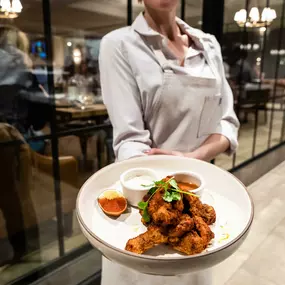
(96, 112)
(74, 115)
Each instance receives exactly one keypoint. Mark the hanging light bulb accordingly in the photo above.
(268, 15)
(236, 17)
(17, 6)
(241, 16)
(265, 15)
(254, 14)
(273, 14)
(5, 5)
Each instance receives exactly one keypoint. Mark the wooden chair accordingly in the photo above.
(254, 101)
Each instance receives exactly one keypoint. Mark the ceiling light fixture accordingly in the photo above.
(253, 19)
(10, 9)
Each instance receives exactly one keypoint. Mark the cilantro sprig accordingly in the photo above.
(172, 192)
(143, 205)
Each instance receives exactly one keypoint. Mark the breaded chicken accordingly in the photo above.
(185, 225)
(203, 230)
(197, 208)
(196, 240)
(156, 202)
(146, 241)
(163, 213)
(189, 244)
(166, 216)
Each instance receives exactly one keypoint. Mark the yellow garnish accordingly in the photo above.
(111, 194)
(225, 237)
(136, 228)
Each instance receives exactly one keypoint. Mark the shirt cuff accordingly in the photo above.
(131, 149)
(229, 131)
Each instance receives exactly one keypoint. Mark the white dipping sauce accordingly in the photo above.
(137, 182)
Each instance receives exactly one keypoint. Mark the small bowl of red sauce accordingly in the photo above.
(112, 203)
(189, 181)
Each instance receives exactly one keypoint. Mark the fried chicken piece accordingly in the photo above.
(195, 241)
(209, 214)
(201, 210)
(146, 241)
(156, 202)
(185, 225)
(190, 244)
(164, 213)
(178, 205)
(166, 216)
(203, 230)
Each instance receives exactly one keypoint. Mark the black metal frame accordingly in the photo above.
(256, 157)
(280, 41)
(260, 78)
(213, 12)
(183, 10)
(213, 18)
(53, 125)
(129, 12)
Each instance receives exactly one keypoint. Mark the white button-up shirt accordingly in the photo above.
(130, 76)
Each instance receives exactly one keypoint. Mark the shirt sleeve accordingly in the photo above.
(122, 98)
(229, 124)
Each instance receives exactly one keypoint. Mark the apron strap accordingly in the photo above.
(211, 63)
(160, 56)
(165, 64)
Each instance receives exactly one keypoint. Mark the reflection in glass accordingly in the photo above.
(28, 235)
(78, 94)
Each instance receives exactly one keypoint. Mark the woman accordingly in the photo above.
(20, 106)
(165, 90)
(23, 102)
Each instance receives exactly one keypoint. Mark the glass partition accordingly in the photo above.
(61, 133)
(253, 58)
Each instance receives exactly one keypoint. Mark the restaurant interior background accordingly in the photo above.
(63, 39)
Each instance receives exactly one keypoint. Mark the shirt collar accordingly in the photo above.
(141, 26)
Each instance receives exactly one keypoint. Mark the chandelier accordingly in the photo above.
(10, 9)
(253, 19)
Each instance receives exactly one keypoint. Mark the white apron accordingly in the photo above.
(199, 102)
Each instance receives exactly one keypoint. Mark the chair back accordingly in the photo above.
(256, 97)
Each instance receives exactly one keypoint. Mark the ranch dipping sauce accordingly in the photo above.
(139, 182)
(136, 183)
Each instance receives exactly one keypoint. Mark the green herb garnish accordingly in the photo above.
(170, 196)
(143, 206)
(173, 183)
(152, 190)
(172, 193)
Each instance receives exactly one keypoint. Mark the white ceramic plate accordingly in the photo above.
(229, 197)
